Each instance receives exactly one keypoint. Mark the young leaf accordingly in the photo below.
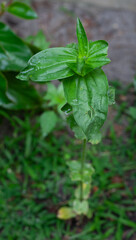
(50, 64)
(82, 39)
(14, 54)
(97, 56)
(55, 95)
(22, 10)
(88, 97)
(80, 67)
(39, 40)
(48, 121)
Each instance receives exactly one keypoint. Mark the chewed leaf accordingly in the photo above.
(111, 95)
(88, 97)
(66, 213)
(50, 64)
(82, 39)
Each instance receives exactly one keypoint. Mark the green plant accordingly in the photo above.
(14, 55)
(39, 40)
(54, 99)
(78, 67)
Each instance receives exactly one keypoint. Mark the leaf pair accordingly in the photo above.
(60, 63)
(75, 172)
(78, 208)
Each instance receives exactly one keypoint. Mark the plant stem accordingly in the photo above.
(82, 168)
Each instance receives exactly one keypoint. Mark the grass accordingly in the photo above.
(34, 181)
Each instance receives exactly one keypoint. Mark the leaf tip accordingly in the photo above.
(78, 20)
(21, 76)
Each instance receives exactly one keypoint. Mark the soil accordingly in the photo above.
(58, 21)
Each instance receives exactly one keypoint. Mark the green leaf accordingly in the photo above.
(97, 56)
(48, 121)
(80, 67)
(3, 88)
(22, 10)
(75, 169)
(75, 128)
(95, 138)
(82, 39)
(39, 40)
(14, 54)
(80, 207)
(86, 187)
(72, 45)
(22, 95)
(132, 112)
(87, 174)
(66, 213)
(111, 95)
(55, 95)
(50, 64)
(88, 97)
